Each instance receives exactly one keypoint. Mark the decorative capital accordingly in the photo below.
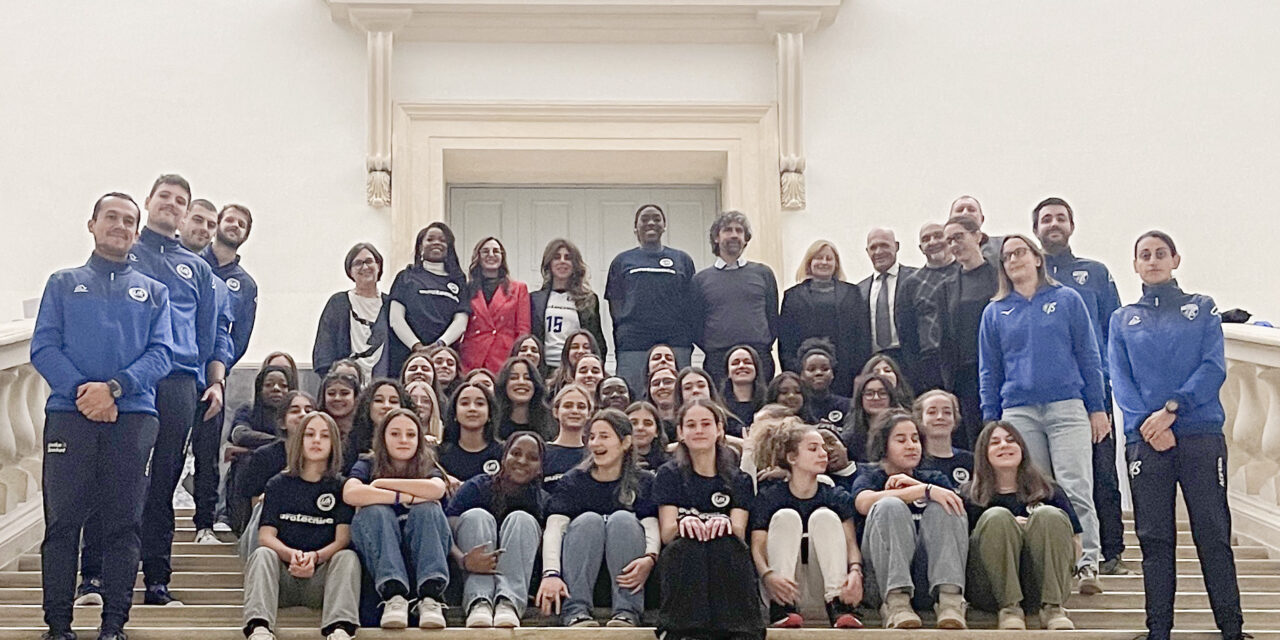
(378, 189)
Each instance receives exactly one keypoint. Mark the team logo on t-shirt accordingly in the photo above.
(326, 501)
(1080, 277)
(233, 284)
(960, 475)
(184, 271)
(138, 293)
(666, 262)
(1050, 307)
(627, 498)
(719, 500)
(1191, 310)
(491, 467)
(453, 287)
(835, 415)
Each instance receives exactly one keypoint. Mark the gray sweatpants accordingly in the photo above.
(335, 587)
(892, 543)
(616, 540)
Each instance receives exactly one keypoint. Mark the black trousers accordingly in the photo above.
(206, 442)
(1106, 497)
(1198, 464)
(176, 403)
(715, 366)
(709, 590)
(100, 468)
(964, 384)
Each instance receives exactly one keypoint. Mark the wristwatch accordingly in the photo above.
(1171, 406)
(116, 389)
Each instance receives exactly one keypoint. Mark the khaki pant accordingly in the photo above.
(1013, 564)
(335, 588)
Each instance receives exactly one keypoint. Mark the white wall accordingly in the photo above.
(1142, 114)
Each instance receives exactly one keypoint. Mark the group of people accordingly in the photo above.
(924, 447)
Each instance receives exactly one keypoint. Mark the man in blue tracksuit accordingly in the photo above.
(193, 311)
(101, 341)
(1167, 365)
(1053, 222)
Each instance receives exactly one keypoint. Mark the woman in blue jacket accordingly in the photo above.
(1167, 369)
(1040, 370)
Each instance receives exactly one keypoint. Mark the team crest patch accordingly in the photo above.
(453, 287)
(184, 271)
(1049, 307)
(1190, 310)
(719, 500)
(960, 475)
(491, 467)
(1135, 468)
(326, 501)
(1080, 277)
(80, 289)
(138, 293)
(233, 284)
(627, 498)
(667, 262)
(1135, 320)
(835, 415)
(133, 257)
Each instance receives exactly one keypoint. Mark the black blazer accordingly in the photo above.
(588, 318)
(333, 336)
(799, 321)
(904, 318)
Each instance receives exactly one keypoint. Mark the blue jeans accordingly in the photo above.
(388, 545)
(591, 538)
(632, 366)
(519, 538)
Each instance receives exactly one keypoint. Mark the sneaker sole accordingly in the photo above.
(619, 623)
(506, 624)
(89, 600)
(1090, 589)
(430, 624)
(395, 623)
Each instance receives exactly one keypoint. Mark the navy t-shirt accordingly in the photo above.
(776, 497)
(845, 478)
(477, 493)
(699, 495)
(262, 466)
(1011, 502)
(362, 470)
(959, 467)
(579, 493)
(465, 465)
(656, 457)
(305, 514)
(829, 409)
(558, 461)
(650, 297)
(430, 301)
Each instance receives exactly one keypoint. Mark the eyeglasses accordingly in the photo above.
(874, 394)
(367, 262)
(1016, 253)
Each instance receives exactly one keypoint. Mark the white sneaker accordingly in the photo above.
(221, 527)
(505, 615)
(336, 634)
(261, 633)
(205, 536)
(430, 614)
(480, 616)
(395, 613)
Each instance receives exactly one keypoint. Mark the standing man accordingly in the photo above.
(234, 224)
(928, 281)
(650, 293)
(193, 311)
(970, 207)
(1054, 222)
(891, 294)
(101, 341)
(196, 234)
(736, 301)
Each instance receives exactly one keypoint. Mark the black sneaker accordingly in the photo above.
(65, 634)
(1114, 567)
(112, 634)
(842, 616)
(784, 616)
(158, 594)
(89, 593)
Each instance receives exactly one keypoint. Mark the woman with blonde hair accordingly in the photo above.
(824, 305)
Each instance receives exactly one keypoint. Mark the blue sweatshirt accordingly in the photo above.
(1092, 280)
(1168, 346)
(244, 301)
(100, 322)
(1038, 351)
(192, 306)
(223, 347)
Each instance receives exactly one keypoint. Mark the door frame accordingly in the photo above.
(586, 144)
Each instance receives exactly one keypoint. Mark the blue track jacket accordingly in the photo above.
(192, 304)
(99, 322)
(244, 301)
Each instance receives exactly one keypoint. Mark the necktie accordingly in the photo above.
(883, 335)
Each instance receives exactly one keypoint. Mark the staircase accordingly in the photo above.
(208, 579)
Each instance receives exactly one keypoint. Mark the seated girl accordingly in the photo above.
(418, 368)
(786, 390)
(571, 408)
(613, 393)
(938, 413)
(708, 582)
(302, 557)
(497, 524)
(661, 393)
(399, 530)
(1022, 552)
(375, 402)
(255, 426)
(338, 394)
(784, 512)
(522, 397)
(915, 534)
(872, 397)
(529, 348)
(889, 369)
(744, 387)
(427, 405)
(589, 372)
(840, 469)
(252, 476)
(469, 447)
(647, 435)
(600, 512)
(444, 361)
(817, 362)
(693, 383)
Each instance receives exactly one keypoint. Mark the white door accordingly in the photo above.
(600, 220)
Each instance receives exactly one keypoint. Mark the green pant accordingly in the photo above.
(1029, 564)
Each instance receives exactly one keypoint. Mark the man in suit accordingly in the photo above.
(891, 293)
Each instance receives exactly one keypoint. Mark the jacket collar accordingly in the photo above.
(104, 266)
(153, 239)
(1162, 294)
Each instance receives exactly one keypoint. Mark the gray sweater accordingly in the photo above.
(735, 306)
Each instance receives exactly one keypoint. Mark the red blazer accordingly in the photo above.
(494, 326)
